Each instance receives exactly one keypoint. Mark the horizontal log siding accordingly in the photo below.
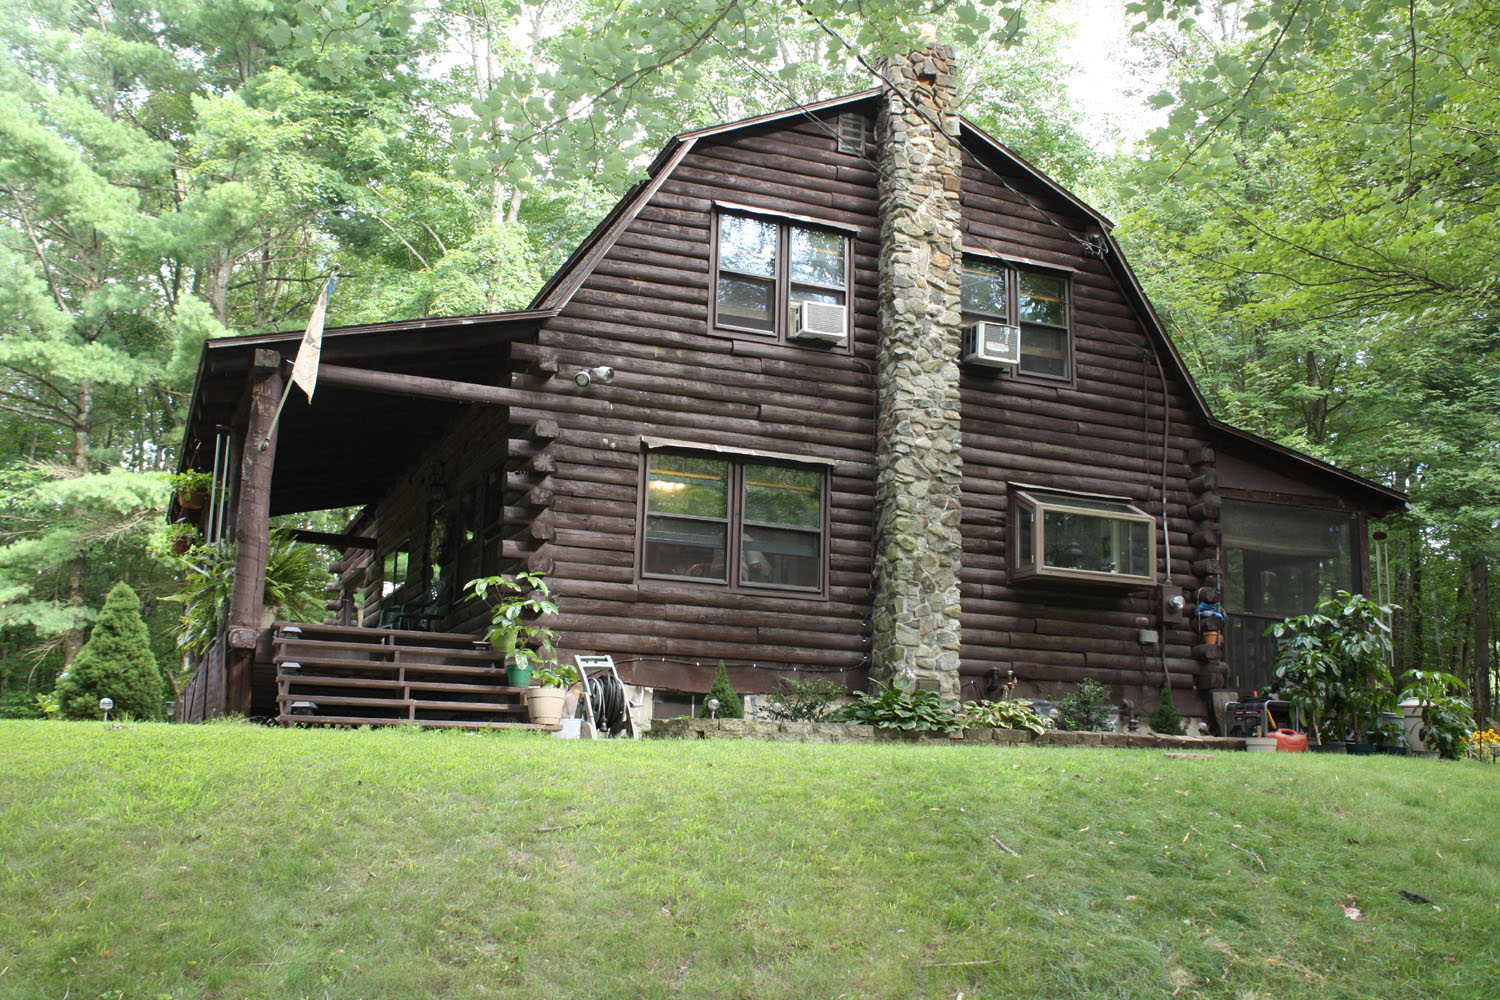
(645, 312)
(1102, 434)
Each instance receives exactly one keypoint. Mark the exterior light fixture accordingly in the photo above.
(105, 704)
(599, 373)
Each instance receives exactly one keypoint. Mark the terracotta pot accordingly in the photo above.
(192, 500)
(181, 544)
(1211, 638)
(546, 704)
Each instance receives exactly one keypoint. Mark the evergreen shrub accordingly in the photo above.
(730, 706)
(116, 662)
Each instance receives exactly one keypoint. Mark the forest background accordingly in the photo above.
(1313, 215)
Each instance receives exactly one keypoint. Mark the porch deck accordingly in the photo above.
(344, 675)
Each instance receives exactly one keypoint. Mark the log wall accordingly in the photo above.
(1101, 431)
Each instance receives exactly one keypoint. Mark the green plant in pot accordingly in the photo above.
(1446, 717)
(512, 635)
(191, 488)
(296, 576)
(1332, 666)
(545, 698)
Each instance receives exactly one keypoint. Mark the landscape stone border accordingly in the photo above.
(840, 732)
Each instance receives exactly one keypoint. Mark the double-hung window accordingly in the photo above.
(1035, 301)
(766, 268)
(739, 521)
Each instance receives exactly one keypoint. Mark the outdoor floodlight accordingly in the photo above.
(599, 373)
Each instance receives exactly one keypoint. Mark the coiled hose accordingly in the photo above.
(607, 698)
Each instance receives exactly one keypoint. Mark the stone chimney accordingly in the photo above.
(918, 471)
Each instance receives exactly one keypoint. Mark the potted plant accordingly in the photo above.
(191, 488)
(511, 636)
(1446, 718)
(550, 683)
(1209, 617)
(295, 587)
(1332, 666)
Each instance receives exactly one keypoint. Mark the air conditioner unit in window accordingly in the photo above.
(823, 322)
(994, 344)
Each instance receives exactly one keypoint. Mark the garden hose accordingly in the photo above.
(607, 699)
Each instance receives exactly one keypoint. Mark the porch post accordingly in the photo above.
(252, 530)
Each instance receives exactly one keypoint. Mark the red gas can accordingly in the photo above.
(1290, 741)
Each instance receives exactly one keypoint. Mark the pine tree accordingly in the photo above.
(116, 663)
(729, 702)
(1165, 718)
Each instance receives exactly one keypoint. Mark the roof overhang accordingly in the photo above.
(348, 447)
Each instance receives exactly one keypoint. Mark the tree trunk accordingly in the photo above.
(1479, 582)
(78, 565)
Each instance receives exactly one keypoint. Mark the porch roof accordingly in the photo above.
(349, 446)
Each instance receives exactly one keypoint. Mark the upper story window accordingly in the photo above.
(767, 268)
(735, 520)
(1035, 301)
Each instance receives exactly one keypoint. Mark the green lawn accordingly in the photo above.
(234, 861)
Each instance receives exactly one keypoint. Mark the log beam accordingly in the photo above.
(419, 386)
(252, 528)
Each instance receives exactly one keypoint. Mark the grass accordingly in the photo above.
(232, 861)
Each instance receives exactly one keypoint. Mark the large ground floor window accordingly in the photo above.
(736, 521)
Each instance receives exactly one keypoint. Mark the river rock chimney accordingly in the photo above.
(918, 471)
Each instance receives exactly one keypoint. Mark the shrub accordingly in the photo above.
(1165, 718)
(1446, 718)
(893, 707)
(1332, 665)
(1008, 714)
(115, 662)
(1086, 709)
(805, 701)
(729, 702)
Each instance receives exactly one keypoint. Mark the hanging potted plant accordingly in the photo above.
(549, 690)
(1209, 617)
(191, 488)
(519, 642)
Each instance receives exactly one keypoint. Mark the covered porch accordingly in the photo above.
(387, 652)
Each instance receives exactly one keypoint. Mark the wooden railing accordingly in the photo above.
(350, 676)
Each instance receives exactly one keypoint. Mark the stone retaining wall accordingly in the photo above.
(838, 732)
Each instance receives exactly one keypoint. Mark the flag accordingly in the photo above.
(305, 368)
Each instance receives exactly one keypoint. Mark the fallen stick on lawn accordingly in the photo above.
(1003, 846)
(1257, 857)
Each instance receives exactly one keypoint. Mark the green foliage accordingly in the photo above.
(730, 706)
(1086, 709)
(805, 700)
(1165, 718)
(900, 707)
(554, 674)
(116, 662)
(521, 597)
(1446, 718)
(1007, 714)
(296, 576)
(1331, 664)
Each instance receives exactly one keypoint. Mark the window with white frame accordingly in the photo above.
(766, 268)
(1073, 536)
(1035, 301)
(740, 521)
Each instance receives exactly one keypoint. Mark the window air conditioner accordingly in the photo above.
(823, 322)
(996, 345)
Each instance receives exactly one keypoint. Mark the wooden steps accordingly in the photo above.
(339, 675)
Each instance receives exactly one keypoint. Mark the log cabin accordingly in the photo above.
(848, 391)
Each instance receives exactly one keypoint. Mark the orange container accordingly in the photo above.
(1290, 741)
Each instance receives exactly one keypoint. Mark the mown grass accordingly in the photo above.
(236, 861)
